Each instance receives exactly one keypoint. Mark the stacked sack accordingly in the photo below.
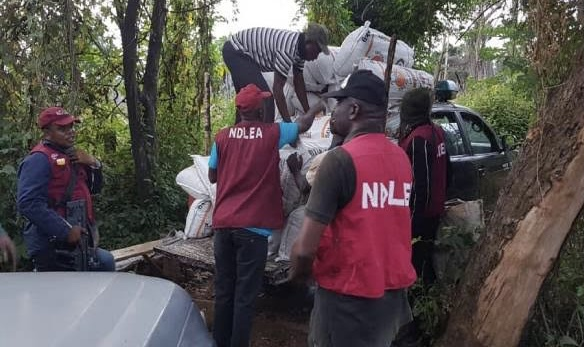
(194, 179)
(364, 48)
(327, 72)
(403, 79)
(369, 43)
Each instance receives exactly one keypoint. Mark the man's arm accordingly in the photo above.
(300, 88)
(93, 169)
(7, 246)
(278, 92)
(305, 122)
(95, 178)
(420, 153)
(304, 249)
(32, 201)
(333, 188)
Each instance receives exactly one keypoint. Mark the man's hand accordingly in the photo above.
(7, 247)
(304, 250)
(82, 157)
(301, 267)
(305, 122)
(294, 162)
(75, 235)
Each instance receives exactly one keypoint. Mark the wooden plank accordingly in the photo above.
(134, 251)
(199, 253)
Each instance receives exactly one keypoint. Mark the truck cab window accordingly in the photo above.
(482, 140)
(447, 120)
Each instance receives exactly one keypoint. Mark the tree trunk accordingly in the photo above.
(149, 96)
(580, 15)
(533, 216)
(142, 106)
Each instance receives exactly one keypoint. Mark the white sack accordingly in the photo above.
(198, 223)
(366, 42)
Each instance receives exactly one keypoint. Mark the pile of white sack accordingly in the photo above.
(194, 180)
(364, 48)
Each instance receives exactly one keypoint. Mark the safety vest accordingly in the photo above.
(248, 177)
(61, 170)
(367, 249)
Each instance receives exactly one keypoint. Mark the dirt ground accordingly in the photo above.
(282, 313)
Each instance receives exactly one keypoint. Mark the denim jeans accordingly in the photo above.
(240, 260)
(56, 260)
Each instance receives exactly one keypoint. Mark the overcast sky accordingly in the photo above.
(258, 13)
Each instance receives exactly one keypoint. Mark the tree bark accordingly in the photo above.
(149, 96)
(533, 217)
(142, 106)
(580, 9)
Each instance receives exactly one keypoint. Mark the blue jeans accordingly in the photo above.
(240, 260)
(59, 260)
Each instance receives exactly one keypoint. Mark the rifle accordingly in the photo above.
(85, 253)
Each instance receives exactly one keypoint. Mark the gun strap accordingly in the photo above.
(70, 186)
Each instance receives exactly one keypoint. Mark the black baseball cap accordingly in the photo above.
(362, 85)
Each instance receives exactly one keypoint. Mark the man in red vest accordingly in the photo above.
(244, 163)
(423, 142)
(55, 184)
(356, 236)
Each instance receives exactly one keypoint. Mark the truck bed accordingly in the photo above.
(199, 253)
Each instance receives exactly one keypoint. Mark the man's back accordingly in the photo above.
(366, 248)
(272, 49)
(248, 189)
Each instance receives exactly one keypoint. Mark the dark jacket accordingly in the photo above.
(43, 222)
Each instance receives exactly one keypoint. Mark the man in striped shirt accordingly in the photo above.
(250, 52)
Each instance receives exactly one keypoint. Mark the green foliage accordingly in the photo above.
(558, 318)
(334, 14)
(508, 107)
(416, 22)
(36, 70)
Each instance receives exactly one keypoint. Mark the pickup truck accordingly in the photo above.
(97, 309)
(480, 159)
(480, 162)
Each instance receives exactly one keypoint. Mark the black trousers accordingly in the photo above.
(339, 320)
(423, 250)
(245, 71)
(240, 260)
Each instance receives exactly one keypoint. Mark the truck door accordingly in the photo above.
(490, 162)
(464, 179)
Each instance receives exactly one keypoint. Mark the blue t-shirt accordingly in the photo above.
(288, 135)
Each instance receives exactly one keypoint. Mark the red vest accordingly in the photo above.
(367, 248)
(437, 190)
(248, 177)
(61, 169)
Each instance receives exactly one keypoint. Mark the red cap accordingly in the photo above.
(250, 98)
(55, 115)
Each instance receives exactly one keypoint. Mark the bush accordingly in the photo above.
(558, 314)
(504, 102)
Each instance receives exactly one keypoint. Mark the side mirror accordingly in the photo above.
(504, 143)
